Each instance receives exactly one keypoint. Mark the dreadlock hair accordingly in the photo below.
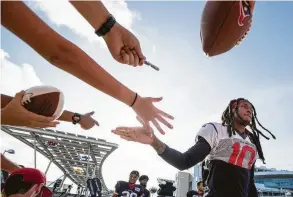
(228, 120)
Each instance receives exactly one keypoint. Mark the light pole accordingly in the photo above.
(10, 151)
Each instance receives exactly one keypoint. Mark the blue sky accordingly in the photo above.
(196, 89)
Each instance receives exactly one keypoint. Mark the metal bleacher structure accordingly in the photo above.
(68, 151)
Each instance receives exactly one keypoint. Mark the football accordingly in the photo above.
(44, 100)
(224, 24)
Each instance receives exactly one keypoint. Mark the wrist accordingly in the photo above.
(127, 96)
(106, 27)
(76, 117)
(136, 99)
(159, 146)
(111, 33)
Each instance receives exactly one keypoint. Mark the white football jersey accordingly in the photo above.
(233, 150)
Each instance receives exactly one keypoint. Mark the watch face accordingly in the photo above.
(76, 118)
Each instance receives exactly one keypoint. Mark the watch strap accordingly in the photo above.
(107, 26)
(76, 118)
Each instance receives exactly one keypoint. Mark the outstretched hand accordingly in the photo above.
(87, 121)
(147, 112)
(143, 135)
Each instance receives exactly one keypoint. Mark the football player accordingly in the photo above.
(129, 189)
(230, 149)
(143, 180)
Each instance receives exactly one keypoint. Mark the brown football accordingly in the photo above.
(224, 24)
(44, 100)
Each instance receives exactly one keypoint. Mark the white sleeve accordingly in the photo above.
(209, 133)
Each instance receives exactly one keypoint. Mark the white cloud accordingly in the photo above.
(15, 78)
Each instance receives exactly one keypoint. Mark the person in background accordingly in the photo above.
(143, 180)
(26, 182)
(130, 188)
(198, 193)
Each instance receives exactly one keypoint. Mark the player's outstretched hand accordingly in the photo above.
(147, 112)
(124, 46)
(87, 121)
(15, 114)
(143, 135)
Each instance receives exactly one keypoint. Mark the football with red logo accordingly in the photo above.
(224, 24)
(44, 100)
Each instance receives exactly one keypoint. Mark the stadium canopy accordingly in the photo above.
(79, 157)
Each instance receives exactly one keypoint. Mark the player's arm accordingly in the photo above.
(252, 189)
(195, 154)
(66, 115)
(93, 11)
(8, 165)
(183, 161)
(23, 22)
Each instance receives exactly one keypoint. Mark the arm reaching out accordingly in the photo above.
(25, 24)
(86, 121)
(179, 160)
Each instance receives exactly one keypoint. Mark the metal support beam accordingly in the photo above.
(55, 181)
(87, 166)
(65, 176)
(48, 166)
(65, 153)
(71, 160)
(94, 172)
(62, 135)
(35, 152)
(92, 154)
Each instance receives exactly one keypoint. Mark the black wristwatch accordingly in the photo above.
(107, 26)
(76, 118)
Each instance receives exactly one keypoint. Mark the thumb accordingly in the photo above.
(90, 113)
(18, 96)
(157, 99)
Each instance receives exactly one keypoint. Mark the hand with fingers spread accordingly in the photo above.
(124, 46)
(87, 121)
(15, 114)
(147, 112)
(143, 135)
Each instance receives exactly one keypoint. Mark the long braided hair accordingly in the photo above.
(228, 120)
